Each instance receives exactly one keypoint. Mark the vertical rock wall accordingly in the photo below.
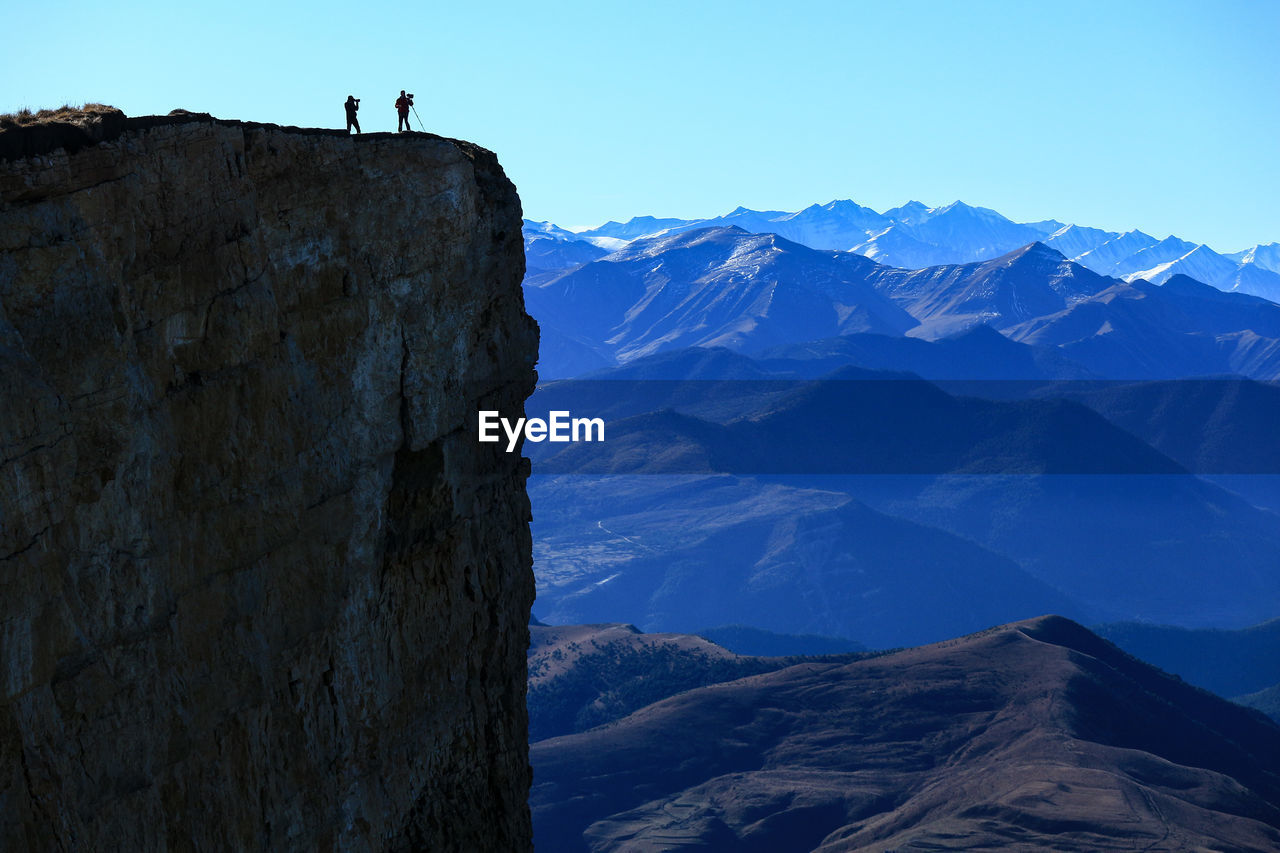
(260, 588)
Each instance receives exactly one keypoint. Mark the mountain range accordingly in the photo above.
(1233, 664)
(745, 291)
(893, 428)
(678, 553)
(915, 236)
(583, 676)
(701, 342)
(850, 505)
(1036, 735)
(719, 286)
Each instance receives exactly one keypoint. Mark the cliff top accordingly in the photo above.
(31, 134)
(88, 113)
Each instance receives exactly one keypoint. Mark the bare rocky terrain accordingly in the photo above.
(1032, 736)
(582, 676)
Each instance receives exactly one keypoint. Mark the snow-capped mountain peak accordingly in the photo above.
(1264, 255)
(1199, 262)
(911, 213)
(915, 236)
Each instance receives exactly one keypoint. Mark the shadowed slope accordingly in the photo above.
(1035, 735)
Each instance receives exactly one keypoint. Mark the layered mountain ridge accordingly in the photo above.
(892, 429)
(914, 236)
(728, 287)
(1033, 735)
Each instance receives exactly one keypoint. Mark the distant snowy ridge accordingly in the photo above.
(915, 236)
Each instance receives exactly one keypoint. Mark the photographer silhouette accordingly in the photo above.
(403, 104)
(352, 105)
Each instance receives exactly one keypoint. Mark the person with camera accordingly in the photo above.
(352, 105)
(403, 104)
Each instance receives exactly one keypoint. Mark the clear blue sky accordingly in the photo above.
(1163, 116)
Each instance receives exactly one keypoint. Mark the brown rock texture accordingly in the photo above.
(260, 587)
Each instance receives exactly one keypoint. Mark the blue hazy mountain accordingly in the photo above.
(1138, 330)
(748, 292)
(675, 553)
(977, 353)
(745, 640)
(1176, 550)
(957, 233)
(1264, 256)
(1267, 701)
(704, 336)
(549, 249)
(1135, 255)
(1253, 279)
(1029, 282)
(1221, 425)
(1152, 257)
(835, 225)
(545, 230)
(1230, 663)
(1072, 241)
(1111, 521)
(1047, 226)
(852, 421)
(911, 213)
(639, 226)
(711, 287)
(915, 236)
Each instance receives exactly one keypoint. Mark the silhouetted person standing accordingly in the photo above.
(403, 103)
(352, 105)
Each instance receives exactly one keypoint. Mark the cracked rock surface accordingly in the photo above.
(260, 588)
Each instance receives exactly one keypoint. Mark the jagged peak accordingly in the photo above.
(958, 207)
(911, 208)
(1035, 251)
(979, 332)
(846, 204)
(1046, 226)
(1173, 242)
(658, 243)
(1200, 249)
(1185, 283)
(1072, 228)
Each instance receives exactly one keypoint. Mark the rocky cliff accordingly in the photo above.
(260, 588)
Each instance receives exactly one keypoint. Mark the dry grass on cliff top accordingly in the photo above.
(64, 113)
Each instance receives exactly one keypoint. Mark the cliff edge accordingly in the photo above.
(260, 588)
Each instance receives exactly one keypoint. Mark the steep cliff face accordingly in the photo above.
(260, 587)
